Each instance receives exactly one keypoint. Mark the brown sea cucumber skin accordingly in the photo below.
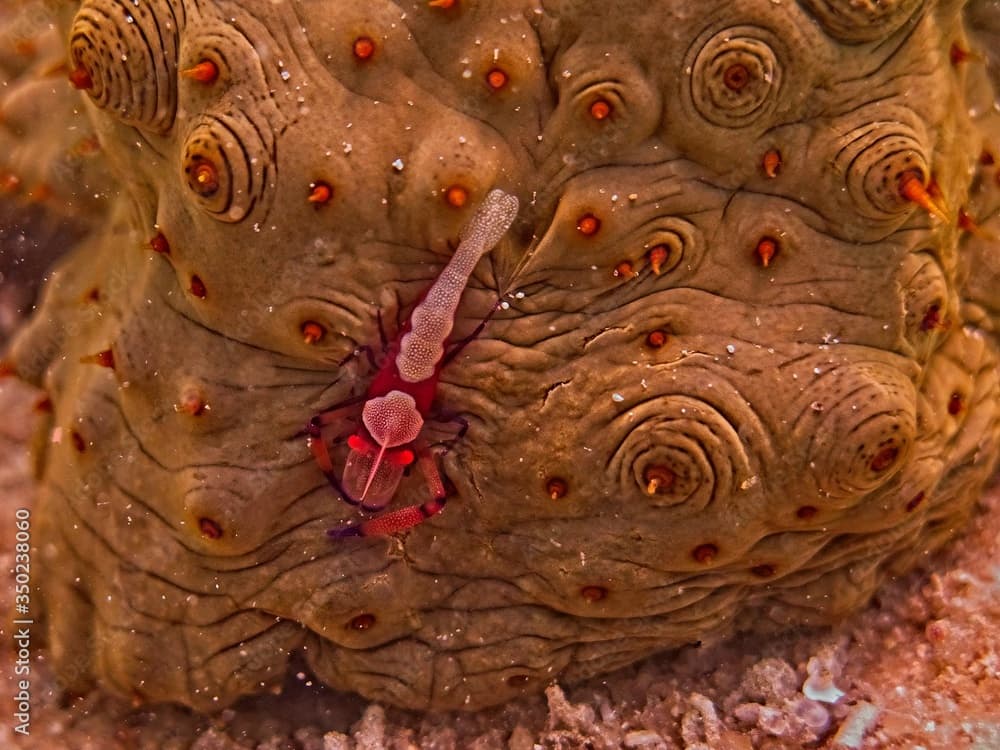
(814, 424)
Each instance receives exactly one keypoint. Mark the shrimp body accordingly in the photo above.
(403, 390)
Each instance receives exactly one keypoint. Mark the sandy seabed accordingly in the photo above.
(919, 668)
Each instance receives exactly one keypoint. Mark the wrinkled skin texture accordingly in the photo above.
(813, 426)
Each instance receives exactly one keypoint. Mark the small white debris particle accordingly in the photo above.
(642, 738)
(730, 348)
(617, 397)
(820, 685)
(852, 732)
(398, 165)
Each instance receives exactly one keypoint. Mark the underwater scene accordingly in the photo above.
(517, 374)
